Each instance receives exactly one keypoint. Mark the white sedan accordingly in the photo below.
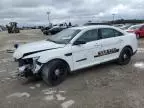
(72, 49)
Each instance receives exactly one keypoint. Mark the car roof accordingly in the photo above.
(92, 27)
(96, 27)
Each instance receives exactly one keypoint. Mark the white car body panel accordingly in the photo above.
(79, 52)
(35, 46)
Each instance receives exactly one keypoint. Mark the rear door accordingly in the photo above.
(111, 41)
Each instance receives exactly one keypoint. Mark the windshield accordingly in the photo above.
(65, 36)
(135, 27)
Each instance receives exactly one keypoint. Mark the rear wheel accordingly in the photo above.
(54, 72)
(125, 56)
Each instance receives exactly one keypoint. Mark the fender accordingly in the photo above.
(46, 56)
(68, 60)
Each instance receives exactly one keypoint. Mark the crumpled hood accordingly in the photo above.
(35, 47)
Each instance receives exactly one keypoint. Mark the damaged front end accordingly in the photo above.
(28, 55)
(29, 67)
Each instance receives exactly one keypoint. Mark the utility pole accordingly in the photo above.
(93, 18)
(69, 18)
(48, 13)
(113, 17)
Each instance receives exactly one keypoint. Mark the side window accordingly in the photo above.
(89, 36)
(108, 33)
(117, 33)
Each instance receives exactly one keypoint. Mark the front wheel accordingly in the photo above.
(54, 72)
(125, 56)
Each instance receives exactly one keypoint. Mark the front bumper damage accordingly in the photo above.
(28, 67)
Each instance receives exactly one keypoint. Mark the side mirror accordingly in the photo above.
(79, 42)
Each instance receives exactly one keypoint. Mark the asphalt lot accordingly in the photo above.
(104, 86)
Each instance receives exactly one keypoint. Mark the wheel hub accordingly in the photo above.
(125, 56)
(57, 72)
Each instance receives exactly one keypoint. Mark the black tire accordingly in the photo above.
(49, 74)
(125, 56)
(49, 33)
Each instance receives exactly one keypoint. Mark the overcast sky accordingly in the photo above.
(77, 11)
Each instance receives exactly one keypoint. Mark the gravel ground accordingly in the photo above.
(103, 86)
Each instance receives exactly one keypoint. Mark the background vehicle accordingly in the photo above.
(118, 25)
(137, 29)
(55, 29)
(125, 27)
(13, 28)
(92, 23)
(0, 29)
(46, 28)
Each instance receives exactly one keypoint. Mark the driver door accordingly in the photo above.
(83, 53)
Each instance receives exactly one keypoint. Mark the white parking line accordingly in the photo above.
(32, 87)
(67, 104)
(140, 50)
(139, 65)
(49, 98)
(38, 85)
(19, 95)
(60, 97)
(2, 71)
(5, 60)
